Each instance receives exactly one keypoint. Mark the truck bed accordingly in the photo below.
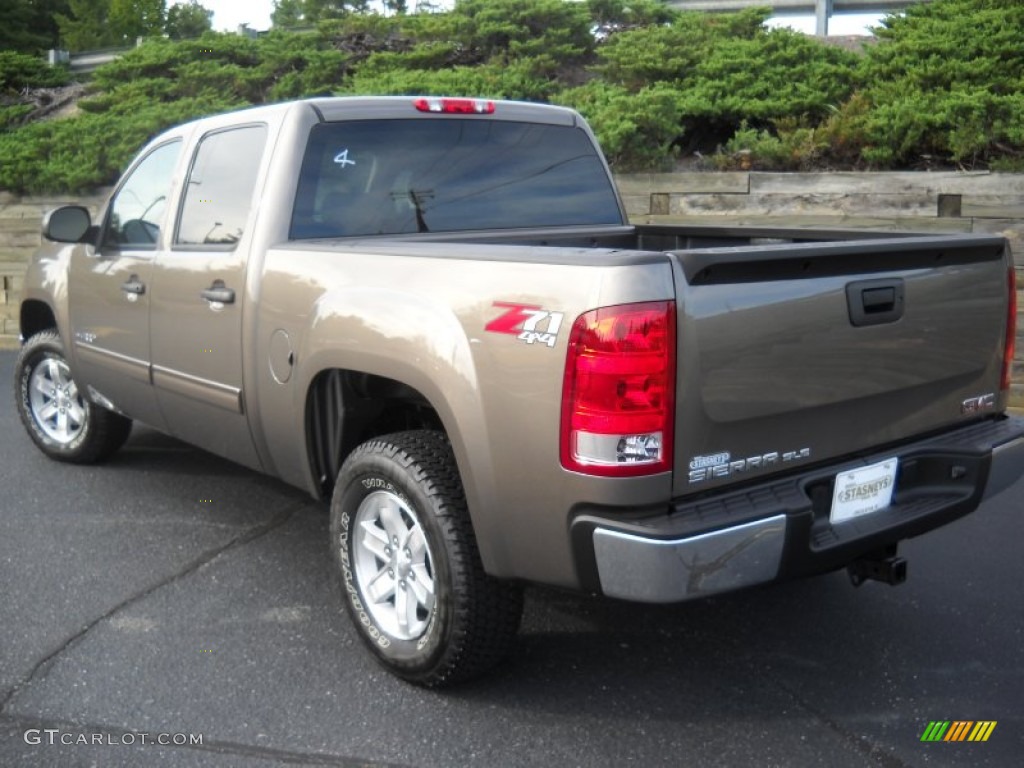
(884, 337)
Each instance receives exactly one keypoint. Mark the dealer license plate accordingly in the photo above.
(863, 491)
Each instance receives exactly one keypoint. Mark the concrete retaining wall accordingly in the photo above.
(901, 201)
(927, 202)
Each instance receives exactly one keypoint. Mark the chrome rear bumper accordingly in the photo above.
(782, 528)
(652, 571)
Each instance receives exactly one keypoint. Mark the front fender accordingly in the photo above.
(46, 284)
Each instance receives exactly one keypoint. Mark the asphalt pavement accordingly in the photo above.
(169, 597)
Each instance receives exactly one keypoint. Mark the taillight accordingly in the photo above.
(618, 394)
(455, 106)
(1009, 345)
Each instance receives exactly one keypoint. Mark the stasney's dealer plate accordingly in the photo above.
(863, 491)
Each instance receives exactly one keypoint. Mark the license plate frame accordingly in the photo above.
(863, 490)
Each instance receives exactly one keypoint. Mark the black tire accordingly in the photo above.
(469, 624)
(79, 431)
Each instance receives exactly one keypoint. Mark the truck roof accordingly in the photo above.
(336, 108)
(405, 107)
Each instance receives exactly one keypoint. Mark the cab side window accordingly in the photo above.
(220, 187)
(137, 210)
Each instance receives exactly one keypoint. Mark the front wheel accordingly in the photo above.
(59, 418)
(407, 563)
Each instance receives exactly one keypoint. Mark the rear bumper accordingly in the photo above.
(781, 529)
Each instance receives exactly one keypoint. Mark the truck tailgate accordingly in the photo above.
(795, 354)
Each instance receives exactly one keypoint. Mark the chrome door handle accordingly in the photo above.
(219, 293)
(134, 285)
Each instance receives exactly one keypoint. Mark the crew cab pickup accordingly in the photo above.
(435, 314)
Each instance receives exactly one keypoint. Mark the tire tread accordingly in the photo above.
(108, 431)
(488, 610)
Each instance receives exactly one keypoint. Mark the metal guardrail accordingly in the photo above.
(83, 62)
(86, 61)
(90, 60)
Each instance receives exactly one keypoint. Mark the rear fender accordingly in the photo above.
(422, 345)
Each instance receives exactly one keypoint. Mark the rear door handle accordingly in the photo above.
(219, 293)
(134, 286)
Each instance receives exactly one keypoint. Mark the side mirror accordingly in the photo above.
(68, 224)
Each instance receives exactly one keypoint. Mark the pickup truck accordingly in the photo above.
(435, 314)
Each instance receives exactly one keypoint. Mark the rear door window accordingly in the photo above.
(375, 177)
(219, 192)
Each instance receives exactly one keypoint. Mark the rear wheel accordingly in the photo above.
(408, 567)
(59, 418)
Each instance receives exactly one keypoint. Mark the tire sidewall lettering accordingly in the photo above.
(25, 406)
(352, 591)
(382, 484)
(358, 488)
(474, 617)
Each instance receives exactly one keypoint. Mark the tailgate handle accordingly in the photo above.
(879, 300)
(873, 302)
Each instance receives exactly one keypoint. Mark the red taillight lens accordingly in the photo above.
(455, 106)
(1009, 346)
(618, 395)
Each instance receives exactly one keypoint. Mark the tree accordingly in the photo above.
(86, 25)
(187, 20)
(44, 19)
(293, 13)
(130, 19)
(288, 13)
(321, 10)
(17, 30)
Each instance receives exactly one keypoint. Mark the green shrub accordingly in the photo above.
(944, 84)
(638, 131)
(90, 150)
(13, 115)
(776, 74)
(19, 71)
(517, 80)
(511, 29)
(789, 147)
(728, 71)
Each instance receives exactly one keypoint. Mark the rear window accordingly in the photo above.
(379, 177)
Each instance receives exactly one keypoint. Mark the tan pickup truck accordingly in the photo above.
(434, 313)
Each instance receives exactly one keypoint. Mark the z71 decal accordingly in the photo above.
(527, 322)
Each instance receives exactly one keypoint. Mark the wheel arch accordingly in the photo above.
(404, 360)
(36, 316)
(345, 407)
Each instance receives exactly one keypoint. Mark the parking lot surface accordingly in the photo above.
(169, 596)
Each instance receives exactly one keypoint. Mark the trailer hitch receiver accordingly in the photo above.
(882, 566)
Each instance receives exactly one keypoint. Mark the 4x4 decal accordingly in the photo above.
(524, 321)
